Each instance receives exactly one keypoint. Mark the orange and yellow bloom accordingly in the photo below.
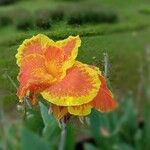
(50, 68)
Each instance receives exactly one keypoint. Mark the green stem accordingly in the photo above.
(63, 136)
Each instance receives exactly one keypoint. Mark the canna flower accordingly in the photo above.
(50, 68)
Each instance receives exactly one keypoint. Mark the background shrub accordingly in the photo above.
(83, 16)
(43, 19)
(145, 11)
(57, 14)
(5, 19)
(6, 2)
(23, 19)
(71, 0)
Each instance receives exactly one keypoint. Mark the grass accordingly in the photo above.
(125, 50)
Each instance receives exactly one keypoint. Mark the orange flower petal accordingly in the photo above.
(42, 61)
(70, 47)
(58, 111)
(81, 110)
(79, 86)
(59, 56)
(33, 75)
(104, 101)
(62, 56)
(34, 45)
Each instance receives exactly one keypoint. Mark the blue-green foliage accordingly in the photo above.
(118, 130)
(32, 141)
(123, 128)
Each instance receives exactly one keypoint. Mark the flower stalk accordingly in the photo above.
(62, 136)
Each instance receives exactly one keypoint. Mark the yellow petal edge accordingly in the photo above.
(41, 37)
(75, 101)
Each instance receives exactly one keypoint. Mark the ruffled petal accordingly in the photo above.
(79, 86)
(82, 110)
(104, 100)
(62, 56)
(34, 45)
(59, 56)
(33, 75)
(58, 111)
(70, 47)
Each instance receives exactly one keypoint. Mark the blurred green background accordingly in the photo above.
(119, 28)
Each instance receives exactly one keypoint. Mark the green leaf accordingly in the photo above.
(70, 137)
(122, 146)
(34, 121)
(127, 123)
(95, 124)
(31, 141)
(51, 131)
(47, 118)
(99, 122)
(146, 135)
(88, 146)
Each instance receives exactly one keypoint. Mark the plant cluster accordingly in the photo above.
(45, 18)
(122, 129)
